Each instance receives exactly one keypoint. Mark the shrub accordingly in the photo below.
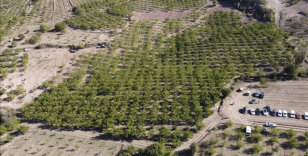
(34, 39)
(257, 137)
(291, 133)
(11, 96)
(229, 123)
(21, 36)
(9, 138)
(44, 27)
(81, 44)
(264, 81)
(227, 133)
(257, 129)
(274, 140)
(60, 26)
(275, 149)
(257, 148)
(275, 132)
(306, 134)
(194, 148)
(211, 151)
(239, 144)
(293, 142)
(23, 129)
(240, 135)
(14, 44)
(39, 34)
(2, 91)
(213, 141)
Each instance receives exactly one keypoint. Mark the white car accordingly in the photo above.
(284, 113)
(252, 111)
(306, 115)
(279, 113)
(292, 114)
(270, 124)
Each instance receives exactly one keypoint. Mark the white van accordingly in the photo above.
(248, 130)
(306, 115)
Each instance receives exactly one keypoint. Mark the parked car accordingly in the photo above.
(261, 95)
(279, 113)
(244, 110)
(298, 116)
(248, 130)
(274, 113)
(268, 124)
(258, 111)
(292, 114)
(306, 115)
(265, 130)
(240, 90)
(252, 111)
(268, 108)
(265, 111)
(247, 93)
(257, 94)
(284, 113)
(253, 101)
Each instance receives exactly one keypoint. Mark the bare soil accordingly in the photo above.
(161, 15)
(44, 64)
(45, 142)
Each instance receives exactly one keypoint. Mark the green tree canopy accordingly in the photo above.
(44, 27)
(61, 26)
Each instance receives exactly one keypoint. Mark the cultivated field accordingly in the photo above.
(283, 95)
(40, 142)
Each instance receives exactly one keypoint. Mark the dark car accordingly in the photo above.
(258, 111)
(253, 101)
(265, 112)
(244, 110)
(268, 108)
(274, 112)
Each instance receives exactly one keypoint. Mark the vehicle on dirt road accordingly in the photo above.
(284, 113)
(252, 111)
(292, 114)
(253, 101)
(258, 111)
(247, 93)
(268, 124)
(268, 108)
(274, 112)
(279, 113)
(298, 116)
(306, 115)
(265, 112)
(240, 90)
